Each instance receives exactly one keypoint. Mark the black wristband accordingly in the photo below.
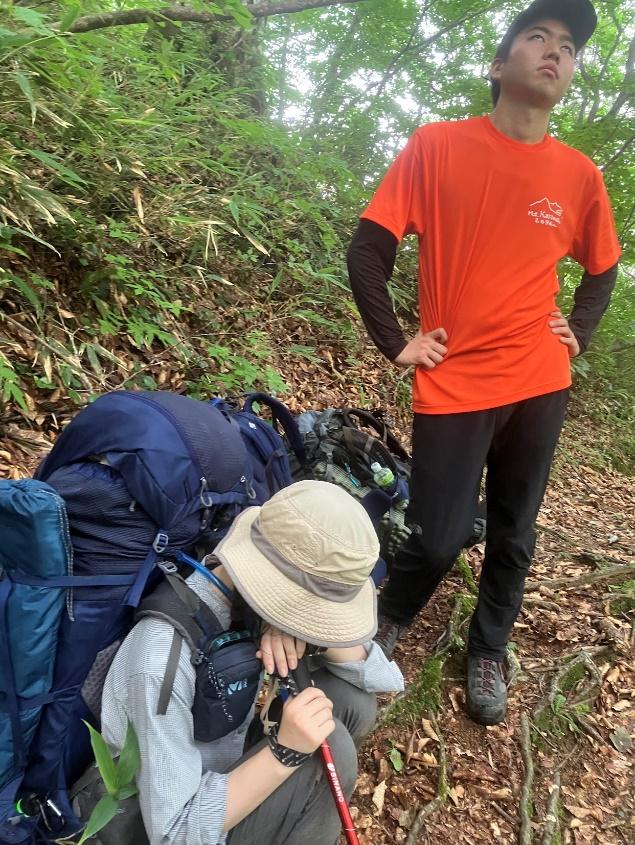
(287, 756)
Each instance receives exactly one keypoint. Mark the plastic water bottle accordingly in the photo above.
(383, 476)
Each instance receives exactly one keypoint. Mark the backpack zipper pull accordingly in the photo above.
(206, 497)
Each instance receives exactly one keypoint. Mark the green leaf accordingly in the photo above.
(105, 763)
(129, 759)
(25, 234)
(69, 18)
(238, 12)
(25, 87)
(93, 358)
(105, 810)
(59, 168)
(28, 17)
(11, 390)
(396, 759)
(127, 792)
(28, 293)
(8, 248)
(558, 703)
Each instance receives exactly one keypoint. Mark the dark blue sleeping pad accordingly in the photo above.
(140, 475)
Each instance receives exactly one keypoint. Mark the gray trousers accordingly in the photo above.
(302, 810)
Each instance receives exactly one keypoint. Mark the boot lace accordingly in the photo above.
(487, 676)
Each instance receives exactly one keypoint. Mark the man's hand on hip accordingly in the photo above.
(424, 350)
(560, 326)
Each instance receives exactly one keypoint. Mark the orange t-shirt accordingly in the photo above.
(493, 217)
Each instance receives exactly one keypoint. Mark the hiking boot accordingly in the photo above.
(486, 690)
(388, 632)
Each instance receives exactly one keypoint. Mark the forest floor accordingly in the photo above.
(433, 776)
(582, 739)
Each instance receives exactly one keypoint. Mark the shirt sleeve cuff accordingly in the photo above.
(375, 674)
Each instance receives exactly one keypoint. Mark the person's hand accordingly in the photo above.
(560, 327)
(424, 350)
(279, 652)
(307, 720)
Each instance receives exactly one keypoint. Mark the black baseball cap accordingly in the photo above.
(578, 15)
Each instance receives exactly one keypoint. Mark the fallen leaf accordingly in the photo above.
(410, 750)
(383, 771)
(621, 740)
(578, 812)
(379, 796)
(428, 730)
(396, 759)
(503, 792)
(136, 195)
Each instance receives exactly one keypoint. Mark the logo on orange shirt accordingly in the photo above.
(546, 213)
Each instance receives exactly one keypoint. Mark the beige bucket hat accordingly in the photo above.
(302, 561)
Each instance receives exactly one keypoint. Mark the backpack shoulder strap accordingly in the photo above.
(281, 416)
(176, 603)
(368, 418)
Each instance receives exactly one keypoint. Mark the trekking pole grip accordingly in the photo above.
(302, 678)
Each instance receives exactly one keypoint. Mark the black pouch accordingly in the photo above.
(227, 681)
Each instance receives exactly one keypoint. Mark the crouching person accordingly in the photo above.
(297, 569)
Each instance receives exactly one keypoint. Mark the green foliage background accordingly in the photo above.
(183, 192)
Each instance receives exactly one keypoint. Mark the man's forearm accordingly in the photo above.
(590, 301)
(371, 259)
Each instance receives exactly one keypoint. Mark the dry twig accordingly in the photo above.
(526, 835)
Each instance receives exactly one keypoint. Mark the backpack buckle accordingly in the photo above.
(169, 567)
(160, 543)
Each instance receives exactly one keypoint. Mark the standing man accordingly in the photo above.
(495, 202)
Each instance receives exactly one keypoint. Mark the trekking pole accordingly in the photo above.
(302, 678)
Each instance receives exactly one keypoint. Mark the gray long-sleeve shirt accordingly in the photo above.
(183, 783)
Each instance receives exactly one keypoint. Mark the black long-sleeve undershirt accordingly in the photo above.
(371, 260)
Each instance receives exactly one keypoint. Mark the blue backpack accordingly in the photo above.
(267, 452)
(133, 478)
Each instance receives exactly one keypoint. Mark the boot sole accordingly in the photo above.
(482, 719)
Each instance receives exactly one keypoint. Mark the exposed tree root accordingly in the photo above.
(526, 834)
(621, 571)
(552, 819)
(614, 635)
(532, 601)
(504, 814)
(515, 669)
(425, 693)
(571, 674)
(442, 789)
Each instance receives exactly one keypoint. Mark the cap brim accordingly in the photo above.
(579, 15)
(287, 605)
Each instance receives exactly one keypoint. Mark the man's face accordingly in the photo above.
(540, 65)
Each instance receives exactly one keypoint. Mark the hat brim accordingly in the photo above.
(288, 606)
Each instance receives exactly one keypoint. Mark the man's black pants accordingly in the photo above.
(516, 442)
